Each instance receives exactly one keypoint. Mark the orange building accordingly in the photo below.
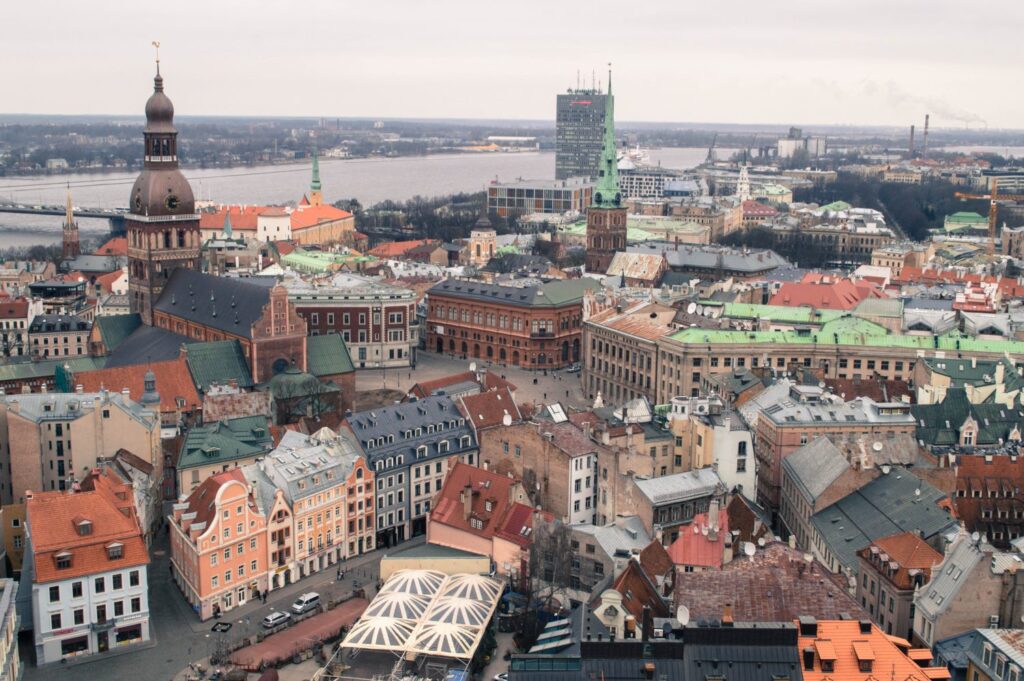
(219, 545)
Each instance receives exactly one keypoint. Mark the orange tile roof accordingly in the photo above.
(173, 380)
(106, 281)
(824, 291)
(910, 554)
(242, 217)
(53, 519)
(117, 245)
(843, 642)
(310, 216)
(393, 249)
(14, 309)
(491, 381)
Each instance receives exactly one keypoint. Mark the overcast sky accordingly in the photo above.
(735, 61)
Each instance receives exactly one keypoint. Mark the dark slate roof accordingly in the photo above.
(328, 355)
(218, 362)
(711, 258)
(551, 294)
(45, 323)
(939, 424)
(952, 651)
(381, 432)
(147, 344)
(889, 504)
(227, 304)
(93, 263)
(114, 329)
(516, 262)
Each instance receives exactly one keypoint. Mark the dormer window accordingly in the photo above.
(63, 560)
(488, 506)
(84, 527)
(115, 551)
(421, 451)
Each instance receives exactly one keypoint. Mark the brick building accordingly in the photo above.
(255, 313)
(377, 321)
(804, 415)
(533, 326)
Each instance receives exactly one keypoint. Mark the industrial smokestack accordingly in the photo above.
(911, 154)
(924, 144)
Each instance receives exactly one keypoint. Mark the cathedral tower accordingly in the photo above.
(162, 225)
(70, 248)
(606, 217)
(315, 196)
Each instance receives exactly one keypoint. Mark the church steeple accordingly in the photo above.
(227, 223)
(606, 193)
(315, 197)
(70, 247)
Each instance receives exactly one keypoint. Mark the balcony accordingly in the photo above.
(542, 333)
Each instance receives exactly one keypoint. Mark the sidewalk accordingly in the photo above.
(364, 569)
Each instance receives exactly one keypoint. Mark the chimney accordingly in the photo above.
(911, 141)
(79, 389)
(809, 659)
(808, 626)
(924, 144)
(467, 501)
(647, 624)
(865, 626)
(727, 620)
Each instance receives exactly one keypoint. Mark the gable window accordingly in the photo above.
(63, 560)
(115, 551)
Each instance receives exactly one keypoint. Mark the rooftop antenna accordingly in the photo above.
(593, 80)
(577, 79)
(156, 45)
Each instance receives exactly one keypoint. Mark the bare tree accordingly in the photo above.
(546, 585)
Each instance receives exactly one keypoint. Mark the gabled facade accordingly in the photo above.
(219, 553)
(87, 564)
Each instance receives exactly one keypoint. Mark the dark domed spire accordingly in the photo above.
(159, 109)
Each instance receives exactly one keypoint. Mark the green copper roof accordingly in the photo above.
(224, 441)
(115, 328)
(779, 313)
(217, 362)
(315, 184)
(606, 193)
(848, 331)
(328, 355)
(836, 206)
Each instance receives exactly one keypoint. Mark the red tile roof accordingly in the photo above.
(906, 554)
(506, 517)
(879, 389)
(243, 218)
(757, 208)
(774, 585)
(394, 249)
(998, 479)
(490, 381)
(694, 547)
(655, 560)
(54, 519)
(14, 309)
(116, 489)
(638, 590)
(488, 409)
(173, 380)
(118, 245)
(284, 247)
(916, 275)
(203, 499)
(824, 291)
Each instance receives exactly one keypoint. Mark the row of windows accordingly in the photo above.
(228, 573)
(78, 615)
(56, 593)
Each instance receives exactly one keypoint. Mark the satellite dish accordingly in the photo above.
(748, 548)
(975, 537)
(808, 557)
(472, 366)
(700, 309)
(683, 615)
(760, 542)
(506, 420)
(691, 308)
(877, 446)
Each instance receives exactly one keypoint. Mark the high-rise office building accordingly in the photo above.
(579, 132)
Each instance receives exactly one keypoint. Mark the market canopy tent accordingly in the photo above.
(425, 612)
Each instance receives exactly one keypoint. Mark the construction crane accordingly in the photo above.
(711, 150)
(993, 197)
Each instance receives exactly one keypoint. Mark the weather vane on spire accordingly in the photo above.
(156, 44)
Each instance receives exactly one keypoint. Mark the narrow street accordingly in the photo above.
(178, 637)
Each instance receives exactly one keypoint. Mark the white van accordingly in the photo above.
(306, 602)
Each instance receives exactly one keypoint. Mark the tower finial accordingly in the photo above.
(156, 45)
(609, 77)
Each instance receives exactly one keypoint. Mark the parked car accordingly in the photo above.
(306, 602)
(573, 368)
(275, 619)
(503, 676)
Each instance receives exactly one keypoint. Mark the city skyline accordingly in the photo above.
(753, 65)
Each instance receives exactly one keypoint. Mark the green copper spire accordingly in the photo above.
(606, 193)
(315, 184)
(227, 224)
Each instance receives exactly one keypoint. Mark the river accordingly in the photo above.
(370, 180)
